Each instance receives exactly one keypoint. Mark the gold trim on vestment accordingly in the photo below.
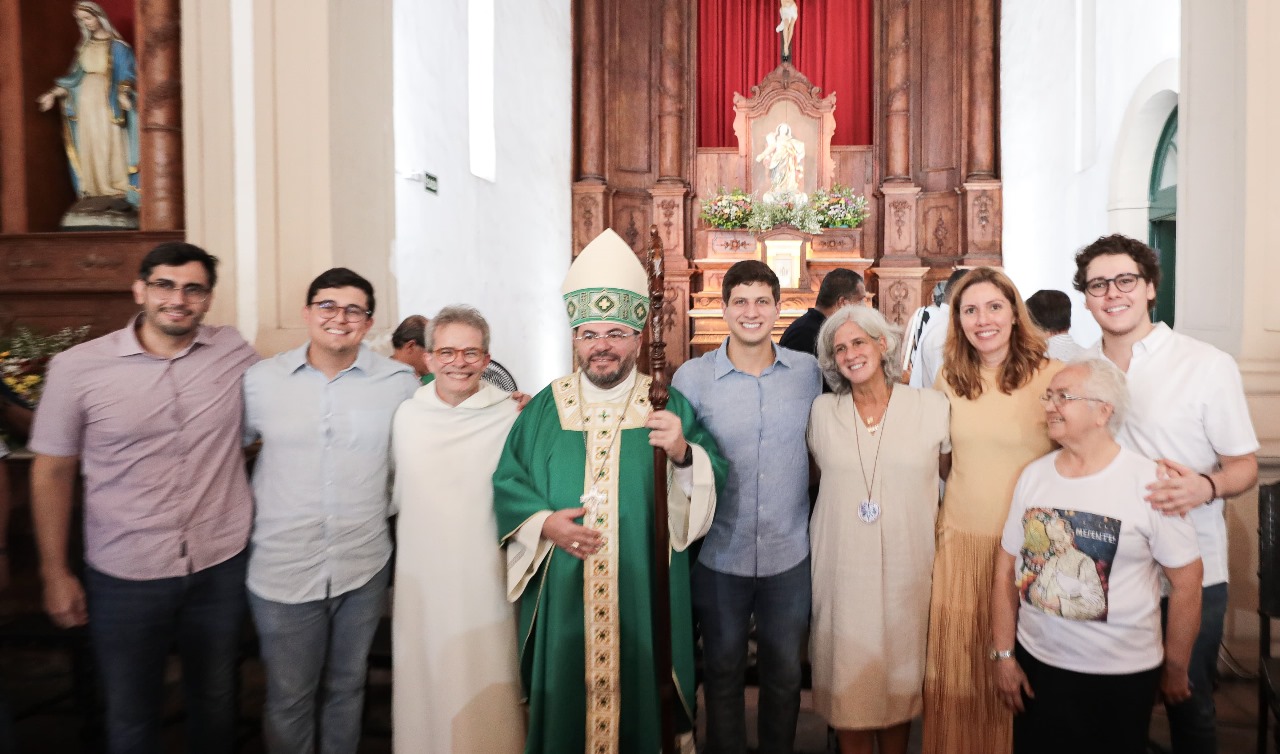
(602, 626)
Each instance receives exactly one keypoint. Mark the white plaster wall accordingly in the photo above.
(1059, 131)
(1212, 161)
(500, 246)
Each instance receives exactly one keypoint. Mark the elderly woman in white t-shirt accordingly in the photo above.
(1078, 581)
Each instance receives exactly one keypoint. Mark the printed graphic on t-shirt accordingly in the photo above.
(1065, 562)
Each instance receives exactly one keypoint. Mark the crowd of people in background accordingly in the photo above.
(967, 519)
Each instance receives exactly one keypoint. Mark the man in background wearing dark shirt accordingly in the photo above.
(841, 287)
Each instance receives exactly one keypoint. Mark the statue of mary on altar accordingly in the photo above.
(783, 157)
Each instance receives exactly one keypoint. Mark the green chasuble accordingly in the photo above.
(586, 648)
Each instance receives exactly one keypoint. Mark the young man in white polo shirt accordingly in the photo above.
(1188, 412)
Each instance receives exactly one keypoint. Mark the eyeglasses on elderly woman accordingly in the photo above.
(1060, 398)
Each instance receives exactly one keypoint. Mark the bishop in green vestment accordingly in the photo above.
(573, 495)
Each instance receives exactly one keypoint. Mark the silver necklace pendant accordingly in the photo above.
(869, 511)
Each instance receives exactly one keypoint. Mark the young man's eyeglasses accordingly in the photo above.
(329, 309)
(450, 355)
(196, 294)
(1124, 283)
(1060, 398)
(613, 336)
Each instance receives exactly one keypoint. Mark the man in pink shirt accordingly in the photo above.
(151, 415)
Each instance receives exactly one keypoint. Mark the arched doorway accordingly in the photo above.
(1162, 215)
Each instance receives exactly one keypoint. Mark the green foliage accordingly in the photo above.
(802, 217)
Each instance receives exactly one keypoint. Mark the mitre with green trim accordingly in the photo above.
(607, 283)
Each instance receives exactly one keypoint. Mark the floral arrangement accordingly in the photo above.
(839, 207)
(801, 216)
(727, 210)
(25, 357)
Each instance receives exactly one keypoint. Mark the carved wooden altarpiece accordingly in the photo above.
(801, 260)
(931, 176)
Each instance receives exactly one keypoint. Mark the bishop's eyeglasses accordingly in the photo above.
(613, 336)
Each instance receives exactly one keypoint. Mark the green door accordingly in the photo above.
(1163, 217)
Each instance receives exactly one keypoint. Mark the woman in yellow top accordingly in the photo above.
(994, 371)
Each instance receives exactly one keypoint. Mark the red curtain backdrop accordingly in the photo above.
(737, 46)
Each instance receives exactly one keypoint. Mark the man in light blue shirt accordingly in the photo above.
(320, 552)
(754, 397)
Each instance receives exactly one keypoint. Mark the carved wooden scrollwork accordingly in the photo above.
(899, 308)
(899, 210)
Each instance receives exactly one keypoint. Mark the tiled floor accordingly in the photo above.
(32, 676)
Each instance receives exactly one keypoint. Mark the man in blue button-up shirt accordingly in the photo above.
(320, 555)
(754, 397)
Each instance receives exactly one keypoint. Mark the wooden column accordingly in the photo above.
(671, 93)
(590, 194)
(668, 194)
(591, 73)
(902, 291)
(898, 86)
(160, 114)
(901, 194)
(982, 92)
(982, 193)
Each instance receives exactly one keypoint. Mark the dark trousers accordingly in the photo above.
(134, 625)
(723, 605)
(1082, 712)
(1193, 724)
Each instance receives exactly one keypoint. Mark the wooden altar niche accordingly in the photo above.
(785, 95)
(931, 175)
(51, 278)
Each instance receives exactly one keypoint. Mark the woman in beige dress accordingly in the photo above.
(880, 447)
(994, 371)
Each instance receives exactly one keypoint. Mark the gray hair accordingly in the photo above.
(457, 314)
(1105, 382)
(873, 324)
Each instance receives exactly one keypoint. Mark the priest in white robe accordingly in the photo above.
(456, 688)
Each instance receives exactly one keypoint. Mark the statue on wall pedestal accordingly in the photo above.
(783, 157)
(100, 124)
(789, 12)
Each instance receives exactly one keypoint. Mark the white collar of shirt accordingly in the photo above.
(1155, 340)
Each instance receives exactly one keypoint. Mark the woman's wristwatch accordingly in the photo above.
(999, 654)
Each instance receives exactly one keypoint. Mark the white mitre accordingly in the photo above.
(607, 283)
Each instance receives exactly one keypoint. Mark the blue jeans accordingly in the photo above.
(316, 655)
(723, 605)
(133, 626)
(1192, 724)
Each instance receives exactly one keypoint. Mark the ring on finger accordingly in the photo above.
(575, 545)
